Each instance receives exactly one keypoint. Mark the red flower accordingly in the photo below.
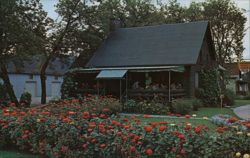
(125, 119)
(139, 143)
(148, 128)
(5, 126)
(183, 151)
(153, 124)
(187, 116)
(149, 151)
(25, 136)
(170, 113)
(178, 115)
(197, 130)
(92, 125)
(93, 140)
(105, 110)
(124, 138)
(84, 146)
(131, 135)
(22, 113)
(119, 133)
(102, 116)
(181, 136)
(132, 148)
(102, 145)
(145, 116)
(162, 128)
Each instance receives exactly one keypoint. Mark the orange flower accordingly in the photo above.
(232, 119)
(148, 128)
(220, 129)
(163, 123)
(188, 127)
(247, 125)
(65, 120)
(71, 113)
(162, 128)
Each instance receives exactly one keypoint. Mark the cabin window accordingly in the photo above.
(56, 77)
(31, 77)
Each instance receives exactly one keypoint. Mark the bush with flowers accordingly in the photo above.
(74, 128)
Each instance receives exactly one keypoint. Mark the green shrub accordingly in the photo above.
(110, 103)
(229, 97)
(197, 103)
(209, 91)
(247, 97)
(25, 99)
(153, 107)
(132, 106)
(182, 106)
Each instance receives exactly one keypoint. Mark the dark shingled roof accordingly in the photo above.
(56, 67)
(168, 44)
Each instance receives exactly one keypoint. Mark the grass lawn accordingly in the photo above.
(16, 154)
(209, 112)
(240, 103)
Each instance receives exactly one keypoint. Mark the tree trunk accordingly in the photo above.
(43, 80)
(8, 85)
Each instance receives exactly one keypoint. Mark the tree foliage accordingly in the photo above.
(22, 25)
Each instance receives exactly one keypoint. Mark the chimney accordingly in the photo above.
(115, 23)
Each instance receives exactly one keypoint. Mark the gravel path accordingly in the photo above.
(243, 112)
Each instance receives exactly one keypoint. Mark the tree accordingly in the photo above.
(227, 25)
(20, 28)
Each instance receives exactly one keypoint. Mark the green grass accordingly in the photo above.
(209, 111)
(241, 103)
(16, 154)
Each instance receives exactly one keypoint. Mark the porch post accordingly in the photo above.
(169, 84)
(97, 87)
(120, 90)
(126, 86)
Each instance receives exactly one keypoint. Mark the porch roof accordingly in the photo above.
(111, 74)
(132, 69)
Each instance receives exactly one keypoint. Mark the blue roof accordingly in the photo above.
(109, 74)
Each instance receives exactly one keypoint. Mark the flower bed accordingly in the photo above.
(83, 129)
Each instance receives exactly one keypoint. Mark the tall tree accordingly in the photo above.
(21, 23)
(227, 25)
(54, 42)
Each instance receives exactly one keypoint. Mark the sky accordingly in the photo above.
(49, 6)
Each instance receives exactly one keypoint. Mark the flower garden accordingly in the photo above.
(87, 128)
